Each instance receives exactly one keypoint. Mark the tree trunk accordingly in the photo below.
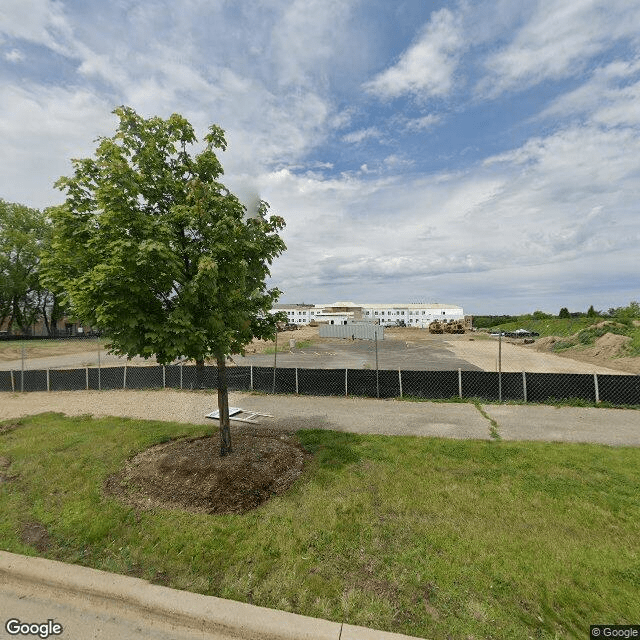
(199, 384)
(223, 407)
(45, 318)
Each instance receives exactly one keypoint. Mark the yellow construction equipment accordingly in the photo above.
(436, 327)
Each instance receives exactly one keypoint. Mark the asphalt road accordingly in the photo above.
(361, 354)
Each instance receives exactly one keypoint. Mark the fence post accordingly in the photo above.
(377, 377)
(164, 377)
(460, 383)
(86, 379)
(524, 385)
(275, 360)
(48, 385)
(99, 370)
(22, 372)
(181, 376)
(296, 380)
(500, 365)
(400, 381)
(124, 377)
(13, 382)
(595, 384)
(251, 377)
(345, 383)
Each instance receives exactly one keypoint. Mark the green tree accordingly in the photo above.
(564, 313)
(24, 234)
(152, 249)
(591, 312)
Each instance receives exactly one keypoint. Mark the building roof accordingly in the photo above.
(388, 305)
(379, 305)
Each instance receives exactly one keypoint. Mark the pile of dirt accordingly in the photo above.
(610, 345)
(608, 350)
(546, 344)
(190, 474)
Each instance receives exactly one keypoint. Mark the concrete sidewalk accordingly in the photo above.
(97, 604)
(449, 420)
(614, 427)
(357, 415)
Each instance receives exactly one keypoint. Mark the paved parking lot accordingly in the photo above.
(361, 354)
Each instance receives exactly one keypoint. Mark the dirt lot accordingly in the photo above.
(481, 350)
(402, 348)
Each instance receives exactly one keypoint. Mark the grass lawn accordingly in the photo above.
(283, 345)
(425, 536)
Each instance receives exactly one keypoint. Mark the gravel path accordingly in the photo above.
(357, 415)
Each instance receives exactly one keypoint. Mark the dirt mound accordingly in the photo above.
(546, 344)
(609, 345)
(190, 475)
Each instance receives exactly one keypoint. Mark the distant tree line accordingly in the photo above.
(621, 314)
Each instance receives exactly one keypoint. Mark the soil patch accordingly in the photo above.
(607, 351)
(5, 428)
(36, 535)
(190, 474)
(5, 463)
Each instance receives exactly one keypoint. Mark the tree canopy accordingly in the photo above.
(24, 234)
(153, 249)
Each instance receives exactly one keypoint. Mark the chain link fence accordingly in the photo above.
(24, 367)
(485, 385)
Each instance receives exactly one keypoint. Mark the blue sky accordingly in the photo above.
(485, 154)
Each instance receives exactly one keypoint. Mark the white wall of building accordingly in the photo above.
(414, 315)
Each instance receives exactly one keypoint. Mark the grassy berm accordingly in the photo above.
(429, 537)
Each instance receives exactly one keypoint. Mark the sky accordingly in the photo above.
(478, 153)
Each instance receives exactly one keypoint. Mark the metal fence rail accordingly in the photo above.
(383, 383)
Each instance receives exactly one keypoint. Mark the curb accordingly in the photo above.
(192, 610)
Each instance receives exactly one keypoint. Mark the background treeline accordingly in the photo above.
(25, 300)
(622, 314)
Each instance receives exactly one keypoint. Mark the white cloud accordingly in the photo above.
(39, 21)
(42, 129)
(558, 40)
(15, 55)
(355, 137)
(427, 68)
(308, 36)
(424, 123)
(609, 97)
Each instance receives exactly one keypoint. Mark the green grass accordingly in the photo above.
(284, 347)
(562, 327)
(425, 536)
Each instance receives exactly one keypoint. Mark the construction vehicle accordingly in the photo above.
(454, 326)
(436, 327)
(286, 326)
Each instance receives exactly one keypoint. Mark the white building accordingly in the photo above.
(413, 314)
